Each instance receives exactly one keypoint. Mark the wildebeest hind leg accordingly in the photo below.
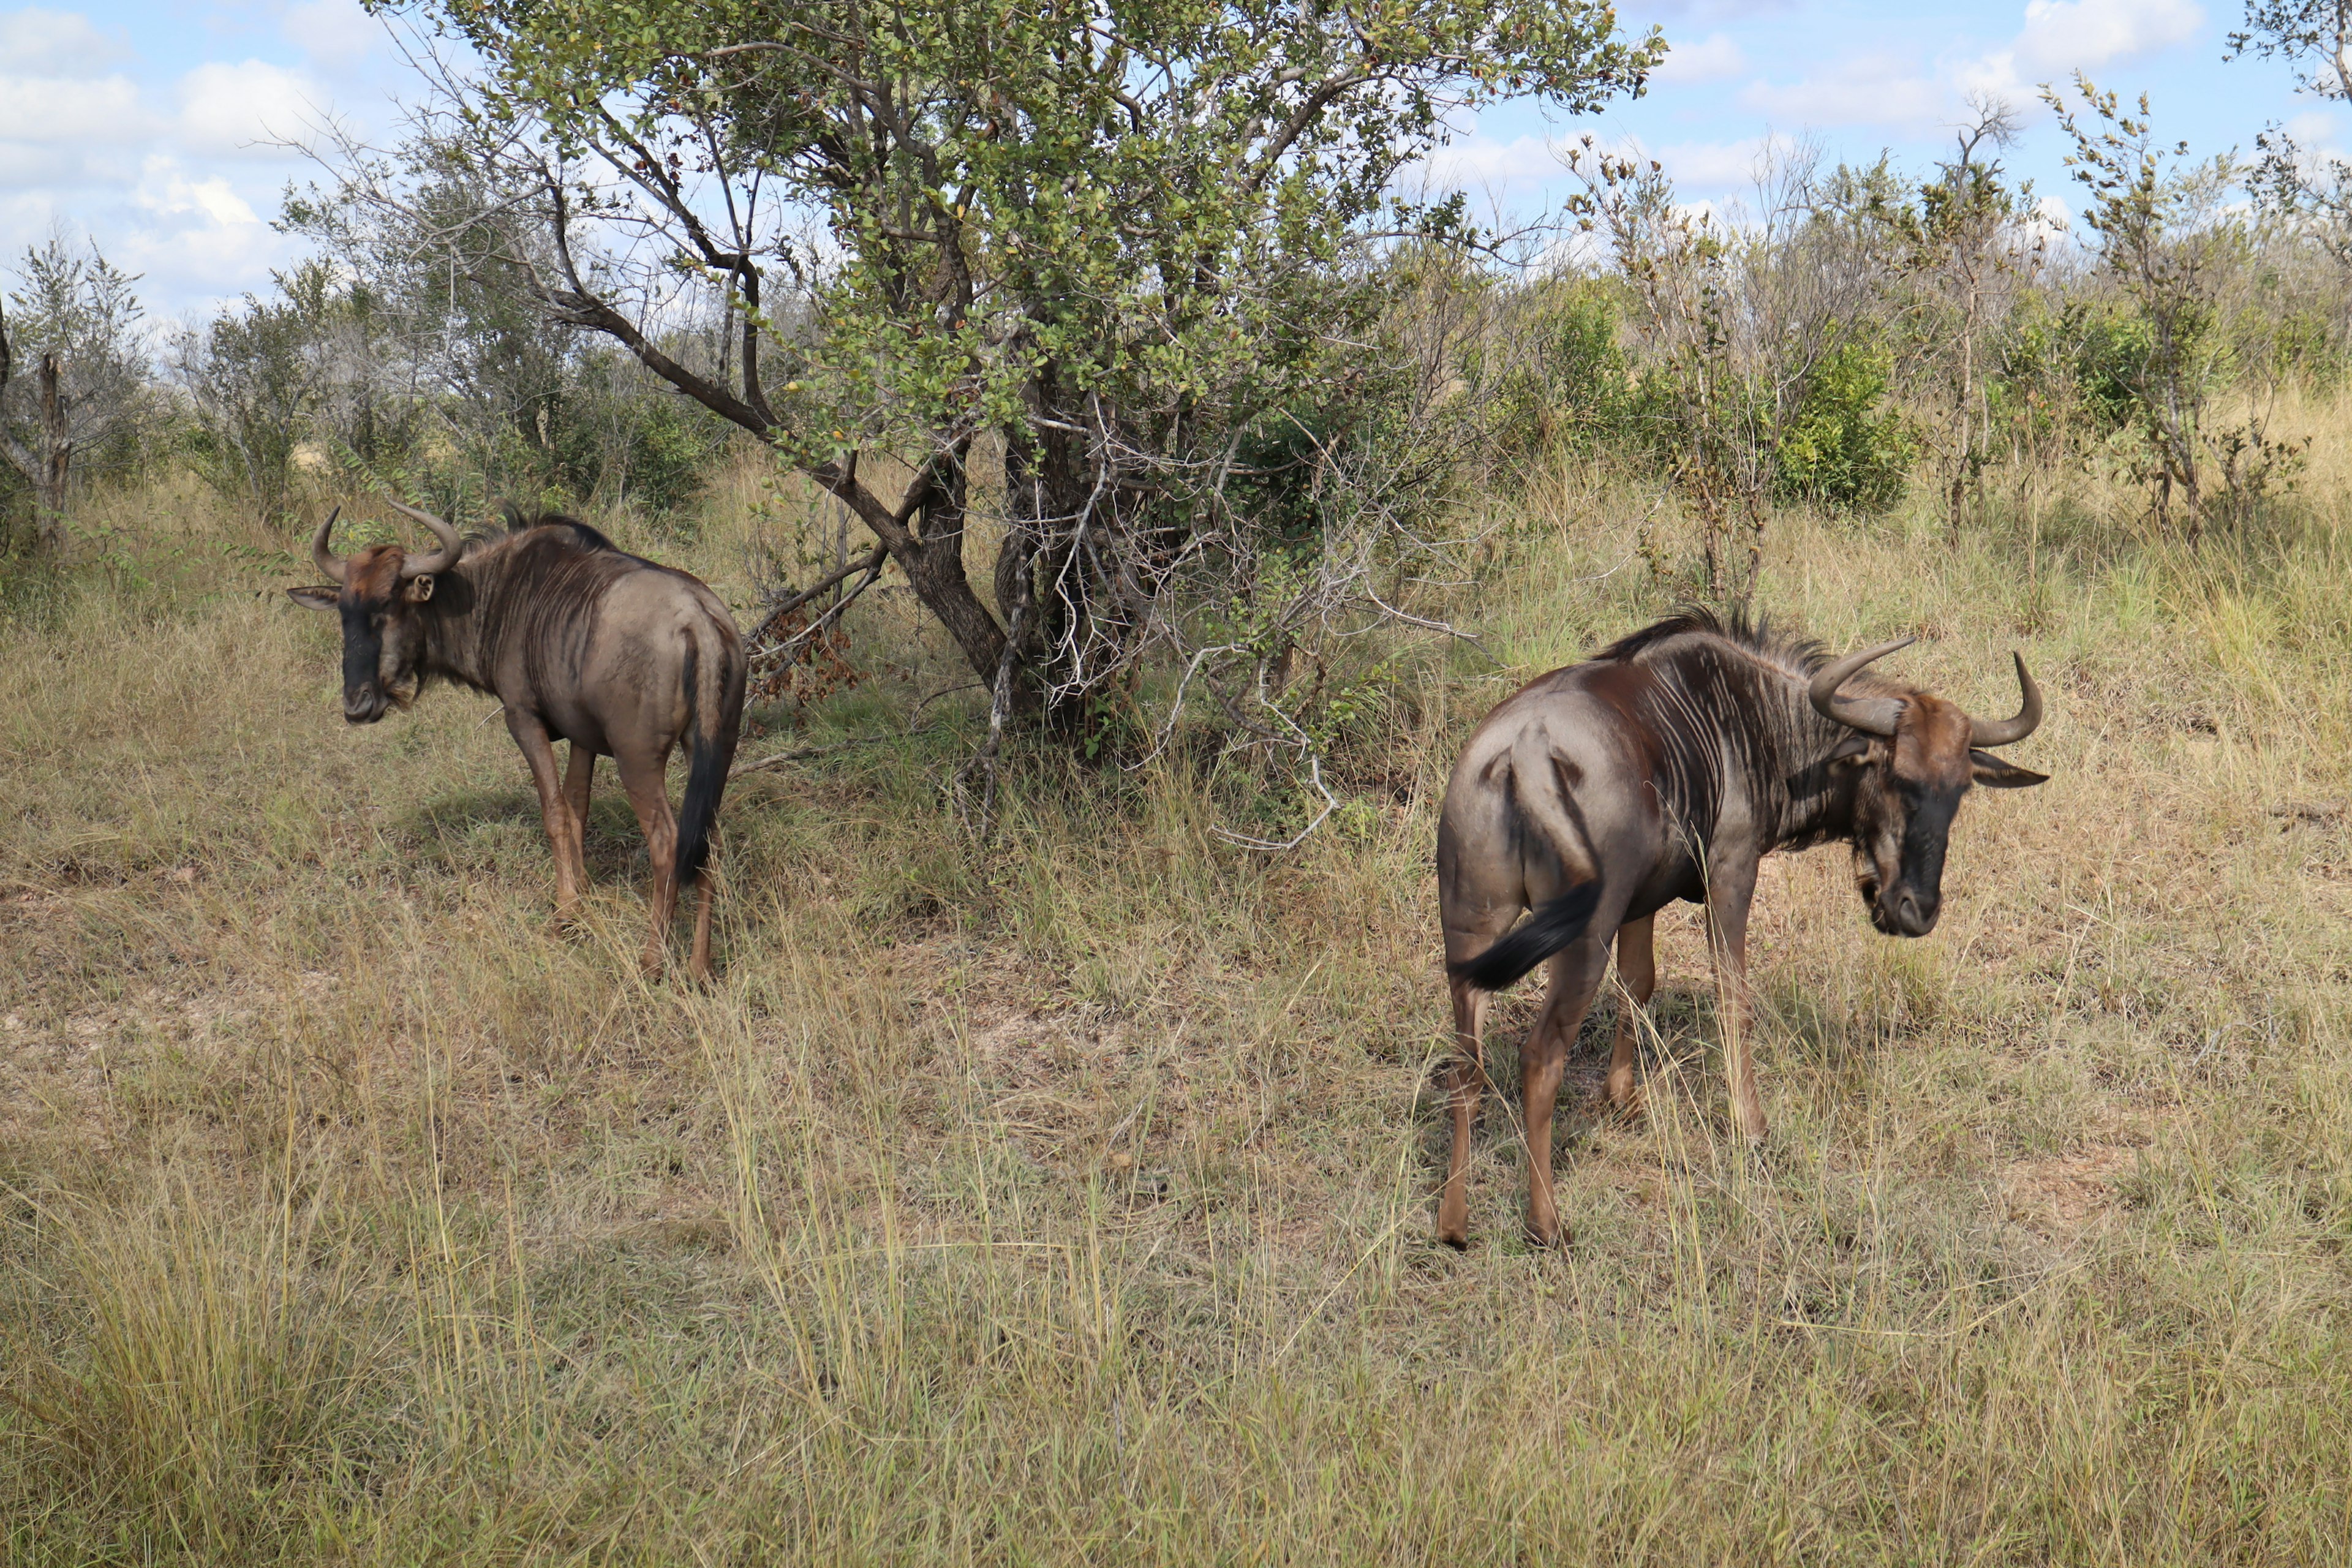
(1575, 977)
(1637, 969)
(647, 783)
(1461, 1085)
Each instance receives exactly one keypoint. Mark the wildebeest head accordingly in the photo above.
(379, 592)
(1918, 755)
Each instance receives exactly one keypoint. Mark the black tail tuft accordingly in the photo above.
(705, 779)
(710, 755)
(1550, 928)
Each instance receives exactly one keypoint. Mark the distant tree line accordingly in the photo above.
(357, 371)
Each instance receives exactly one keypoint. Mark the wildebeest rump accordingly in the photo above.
(1666, 768)
(580, 642)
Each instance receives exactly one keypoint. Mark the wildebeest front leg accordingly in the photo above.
(1575, 978)
(647, 782)
(554, 811)
(579, 784)
(1462, 1088)
(1732, 887)
(1637, 970)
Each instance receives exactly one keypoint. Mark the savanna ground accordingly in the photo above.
(1069, 1199)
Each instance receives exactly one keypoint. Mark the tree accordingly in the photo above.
(77, 321)
(2310, 191)
(2313, 36)
(1757, 374)
(2162, 241)
(254, 381)
(1120, 247)
(45, 464)
(1967, 254)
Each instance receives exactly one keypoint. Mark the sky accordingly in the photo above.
(156, 128)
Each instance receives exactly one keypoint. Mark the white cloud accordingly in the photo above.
(333, 34)
(168, 192)
(245, 108)
(2314, 129)
(33, 40)
(1862, 90)
(197, 231)
(1475, 164)
(2060, 37)
(1714, 58)
(61, 110)
(172, 170)
(1714, 166)
(2067, 35)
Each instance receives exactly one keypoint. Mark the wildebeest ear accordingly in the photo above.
(420, 588)
(1852, 747)
(321, 598)
(1994, 773)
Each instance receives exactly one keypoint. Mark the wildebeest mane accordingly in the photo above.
(519, 521)
(1726, 699)
(1757, 634)
(532, 588)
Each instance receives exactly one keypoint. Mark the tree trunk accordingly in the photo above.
(46, 465)
(52, 462)
(933, 561)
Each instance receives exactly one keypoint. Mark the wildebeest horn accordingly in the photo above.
(2002, 731)
(1871, 715)
(451, 545)
(325, 559)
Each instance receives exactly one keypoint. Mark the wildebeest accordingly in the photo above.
(1666, 768)
(580, 642)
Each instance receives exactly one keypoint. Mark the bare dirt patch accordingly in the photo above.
(2067, 1194)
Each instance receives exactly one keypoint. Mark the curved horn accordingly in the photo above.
(325, 559)
(2000, 732)
(1871, 715)
(439, 561)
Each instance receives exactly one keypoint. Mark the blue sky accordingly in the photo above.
(147, 125)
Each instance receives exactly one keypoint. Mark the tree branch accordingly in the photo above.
(872, 562)
(581, 308)
(1295, 126)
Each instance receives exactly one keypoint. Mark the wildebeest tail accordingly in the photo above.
(1549, 927)
(714, 687)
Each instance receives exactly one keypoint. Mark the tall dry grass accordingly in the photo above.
(1069, 1200)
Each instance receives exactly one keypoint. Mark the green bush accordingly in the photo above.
(1560, 381)
(618, 438)
(2111, 364)
(1842, 447)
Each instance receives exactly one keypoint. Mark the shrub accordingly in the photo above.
(1844, 449)
(1563, 383)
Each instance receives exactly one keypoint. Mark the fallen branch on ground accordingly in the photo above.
(805, 754)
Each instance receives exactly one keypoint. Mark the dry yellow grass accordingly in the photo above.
(1068, 1201)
